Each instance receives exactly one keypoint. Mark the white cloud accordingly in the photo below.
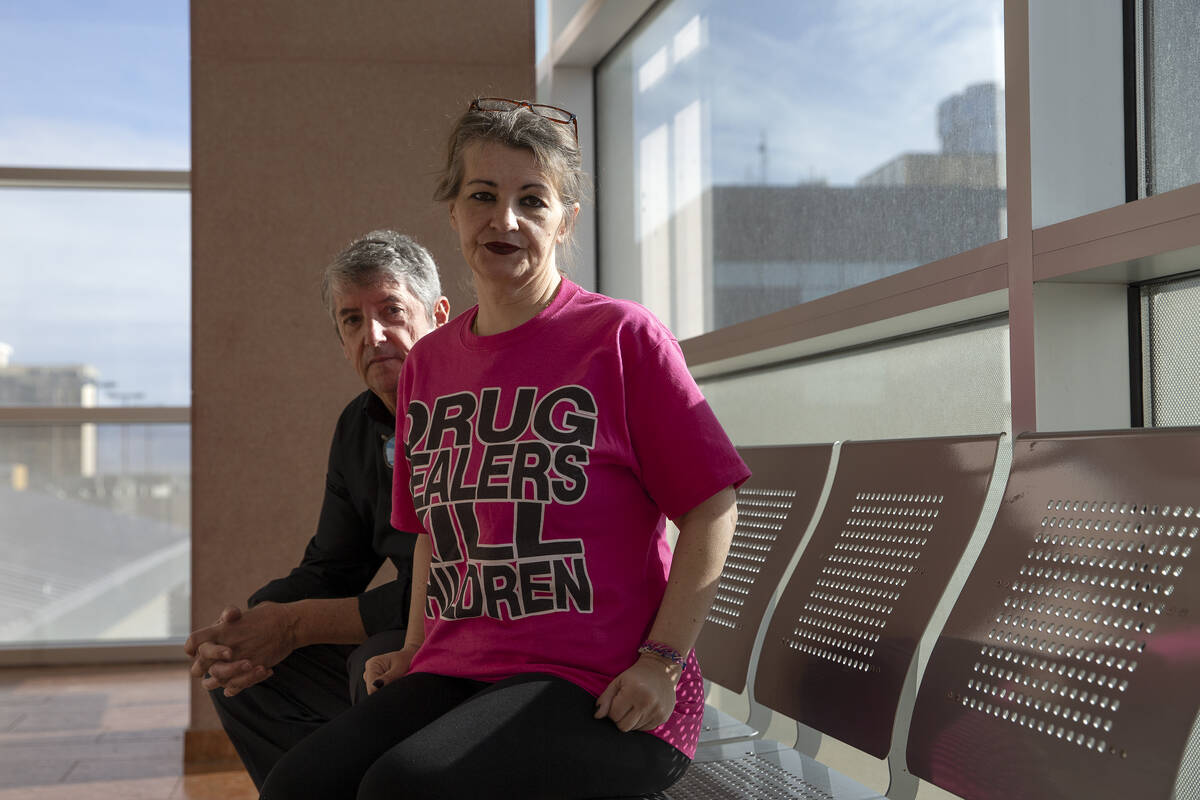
(33, 141)
(837, 88)
(99, 278)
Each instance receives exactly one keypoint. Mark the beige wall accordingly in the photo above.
(312, 122)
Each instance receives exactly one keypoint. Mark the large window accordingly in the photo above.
(95, 344)
(1171, 352)
(754, 156)
(1168, 80)
(1171, 85)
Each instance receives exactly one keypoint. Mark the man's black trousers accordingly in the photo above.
(310, 687)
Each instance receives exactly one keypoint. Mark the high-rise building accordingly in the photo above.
(971, 130)
(971, 122)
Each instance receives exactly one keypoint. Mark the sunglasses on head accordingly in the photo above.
(552, 113)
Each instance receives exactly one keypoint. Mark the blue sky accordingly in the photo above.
(838, 88)
(94, 83)
(99, 278)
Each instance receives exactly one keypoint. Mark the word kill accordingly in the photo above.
(466, 465)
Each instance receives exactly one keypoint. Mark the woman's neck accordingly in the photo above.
(502, 308)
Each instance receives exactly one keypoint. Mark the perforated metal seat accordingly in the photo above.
(775, 508)
(841, 640)
(764, 771)
(1068, 666)
(897, 521)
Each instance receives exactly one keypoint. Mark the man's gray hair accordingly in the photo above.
(383, 256)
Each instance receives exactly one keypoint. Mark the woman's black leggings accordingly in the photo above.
(429, 736)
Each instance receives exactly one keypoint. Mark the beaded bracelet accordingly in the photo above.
(664, 651)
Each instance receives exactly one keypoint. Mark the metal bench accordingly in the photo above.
(775, 509)
(841, 642)
(1069, 665)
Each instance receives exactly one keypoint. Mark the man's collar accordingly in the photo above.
(376, 410)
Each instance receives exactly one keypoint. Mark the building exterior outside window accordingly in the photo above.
(776, 153)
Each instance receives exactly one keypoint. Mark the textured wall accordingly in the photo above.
(312, 123)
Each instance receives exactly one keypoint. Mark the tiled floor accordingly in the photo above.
(99, 733)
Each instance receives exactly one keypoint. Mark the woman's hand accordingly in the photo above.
(642, 697)
(383, 669)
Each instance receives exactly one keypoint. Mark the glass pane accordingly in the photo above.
(95, 298)
(1173, 94)
(1171, 349)
(100, 84)
(942, 384)
(95, 531)
(756, 155)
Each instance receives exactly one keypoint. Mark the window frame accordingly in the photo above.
(169, 649)
(1140, 240)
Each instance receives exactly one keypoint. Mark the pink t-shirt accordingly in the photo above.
(542, 461)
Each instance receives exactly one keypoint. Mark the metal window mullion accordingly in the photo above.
(101, 415)
(1134, 99)
(112, 179)
(1150, 402)
(1137, 364)
(1143, 38)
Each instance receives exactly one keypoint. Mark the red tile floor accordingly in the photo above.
(101, 732)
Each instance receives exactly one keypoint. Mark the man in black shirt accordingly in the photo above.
(294, 658)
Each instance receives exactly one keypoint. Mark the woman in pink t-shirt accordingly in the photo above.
(548, 433)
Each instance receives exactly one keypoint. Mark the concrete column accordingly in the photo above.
(312, 123)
